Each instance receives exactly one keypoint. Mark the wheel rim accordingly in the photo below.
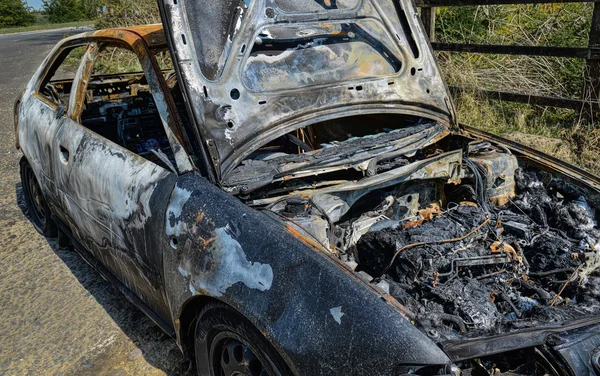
(232, 357)
(36, 198)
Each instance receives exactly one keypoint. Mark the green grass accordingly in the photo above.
(45, 26)
(572, 136)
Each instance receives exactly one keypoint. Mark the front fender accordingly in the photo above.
(319, 317)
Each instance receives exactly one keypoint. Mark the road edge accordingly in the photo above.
(82, 28)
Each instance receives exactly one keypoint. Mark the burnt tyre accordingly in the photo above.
(38, 209)
(227, 345)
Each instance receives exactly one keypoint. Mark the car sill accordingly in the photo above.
(107, 275)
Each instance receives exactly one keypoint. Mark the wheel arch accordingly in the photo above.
(24, 160)
(184, 324)
(190, 311)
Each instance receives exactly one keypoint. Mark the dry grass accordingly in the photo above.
(562, 133)
(578, 143)
(567, 134)
(114, 60)
(122, 13)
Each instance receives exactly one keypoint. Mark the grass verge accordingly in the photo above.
(557, 132)
(46, 26)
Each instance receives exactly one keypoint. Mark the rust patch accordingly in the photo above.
(501, 247)
(303, 238)
(426, 214)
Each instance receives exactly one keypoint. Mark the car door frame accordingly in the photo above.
(169, 115)
(177, 139)
(32, 104)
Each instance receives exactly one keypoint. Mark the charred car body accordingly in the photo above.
(296, 197)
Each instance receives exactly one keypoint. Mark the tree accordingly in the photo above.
(15, 13)
(59, 11)
(90, 8)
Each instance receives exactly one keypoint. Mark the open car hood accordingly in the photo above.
(255, 70)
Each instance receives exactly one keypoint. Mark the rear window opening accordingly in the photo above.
(56, 86)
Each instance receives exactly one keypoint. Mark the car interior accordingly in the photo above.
(119, 105)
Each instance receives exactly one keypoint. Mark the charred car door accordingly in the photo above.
(117, 166)
(45, 106)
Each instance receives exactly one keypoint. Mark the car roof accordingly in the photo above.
(152, 35)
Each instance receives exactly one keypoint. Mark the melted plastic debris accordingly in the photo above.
(535, 262)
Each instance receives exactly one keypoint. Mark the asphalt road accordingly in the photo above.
(57, 316)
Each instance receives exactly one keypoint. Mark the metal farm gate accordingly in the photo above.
(589, 93)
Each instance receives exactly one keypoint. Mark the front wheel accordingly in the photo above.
(38, 209)
(227, 345)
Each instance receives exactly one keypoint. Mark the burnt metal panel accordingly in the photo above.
(233, 119)
(580, 349)
(474, 348)
(316, 312)
(114, 201)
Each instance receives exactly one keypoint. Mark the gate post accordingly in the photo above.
(428, 19)
(591, 91)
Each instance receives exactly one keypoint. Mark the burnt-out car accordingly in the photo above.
(294, 195)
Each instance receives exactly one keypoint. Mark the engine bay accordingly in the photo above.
(472, 239)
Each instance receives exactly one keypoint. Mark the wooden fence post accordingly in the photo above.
(428, 19)
(591, 89)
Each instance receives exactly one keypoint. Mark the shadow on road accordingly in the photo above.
(158, 349)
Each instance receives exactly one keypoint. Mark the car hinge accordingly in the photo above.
(214, 155)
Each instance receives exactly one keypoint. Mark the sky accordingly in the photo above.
(35, 4)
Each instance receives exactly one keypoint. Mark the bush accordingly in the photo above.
(15, 13)
(60, 11)
(122, 13)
